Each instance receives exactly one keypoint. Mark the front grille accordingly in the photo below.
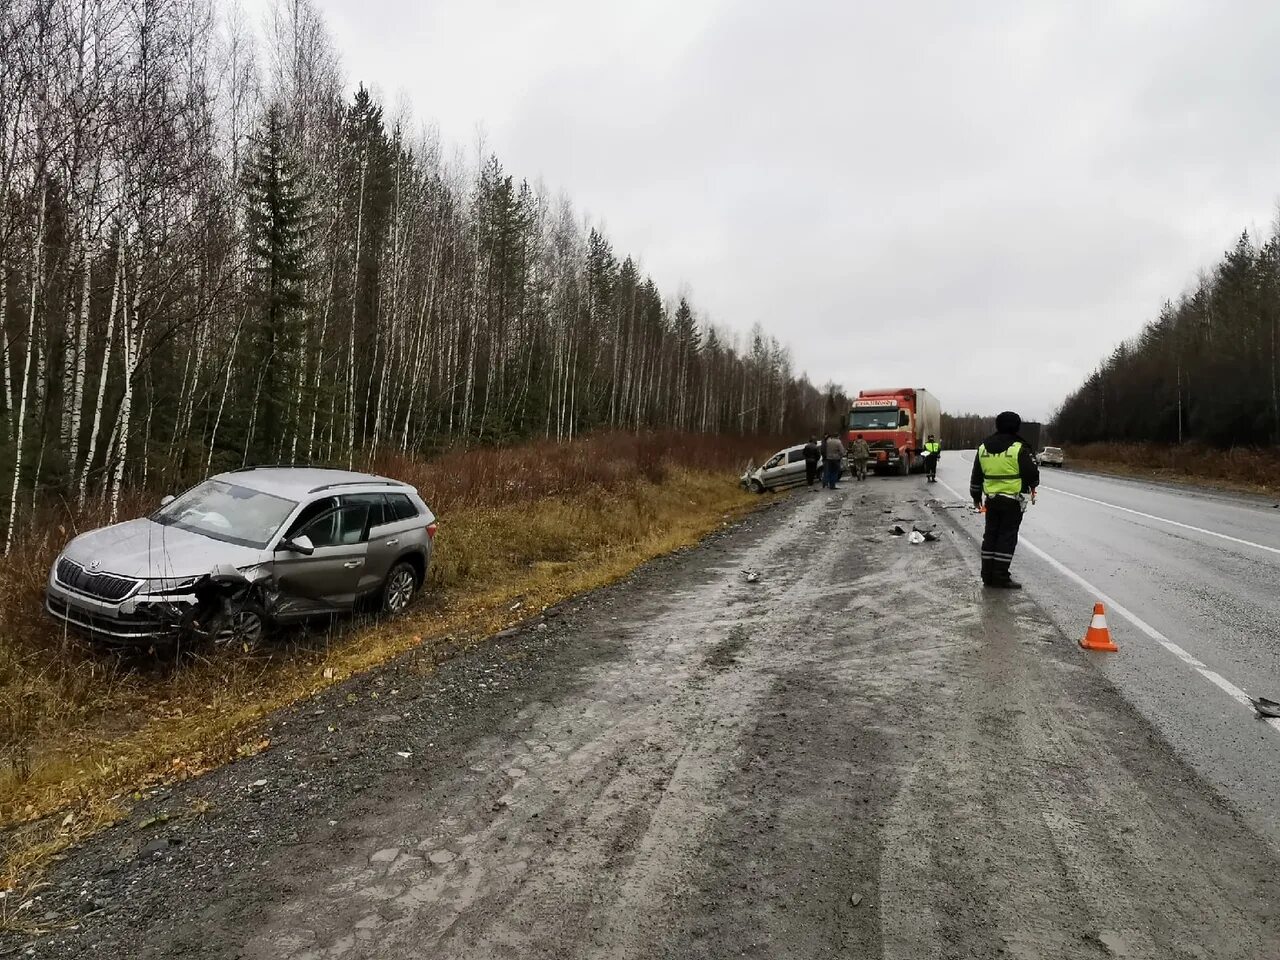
(104, 586)
(122, 629)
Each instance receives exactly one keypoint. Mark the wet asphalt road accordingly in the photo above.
(857, 753)
(1210, 592)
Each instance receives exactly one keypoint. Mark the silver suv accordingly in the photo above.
(245, 550)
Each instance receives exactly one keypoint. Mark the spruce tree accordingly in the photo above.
(278, 225)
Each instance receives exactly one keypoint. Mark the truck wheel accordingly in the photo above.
(904, 467)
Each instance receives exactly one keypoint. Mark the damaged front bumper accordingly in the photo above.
(143, 619)
(176, 611)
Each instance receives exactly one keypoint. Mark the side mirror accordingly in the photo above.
(165, 501)
(302, 545)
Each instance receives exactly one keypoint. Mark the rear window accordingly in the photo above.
(400, 507)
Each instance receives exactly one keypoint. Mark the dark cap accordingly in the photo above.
(1008, 422)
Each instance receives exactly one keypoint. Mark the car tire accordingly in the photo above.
(757, 486)
(399, 589)
(245, 630)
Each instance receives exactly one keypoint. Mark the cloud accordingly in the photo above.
(977, 198)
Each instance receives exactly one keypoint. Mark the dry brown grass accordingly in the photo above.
(80, 730)
(1243, 469)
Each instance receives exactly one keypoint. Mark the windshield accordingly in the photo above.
(885, 418)
(227, 512)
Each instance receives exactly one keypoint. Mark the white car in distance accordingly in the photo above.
(1051, 457)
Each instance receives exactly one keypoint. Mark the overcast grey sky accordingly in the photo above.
(978, 198)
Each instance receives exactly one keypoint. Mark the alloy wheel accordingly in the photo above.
(400, 589)
(245, 628)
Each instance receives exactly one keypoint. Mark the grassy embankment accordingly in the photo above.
(1242, 469)
(81, 731)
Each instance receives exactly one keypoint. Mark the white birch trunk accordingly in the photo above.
(222, 401)
(130, 358)
(37, 279)
(351, 341)
(81, 346)
(106, 371)
(4, 346)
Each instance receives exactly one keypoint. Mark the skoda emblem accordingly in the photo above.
(94, 564)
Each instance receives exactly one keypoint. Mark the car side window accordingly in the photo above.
(310, 512)
(345, 525)
(795, 456)
(773, 461)
(375, 503)
(353, 522)
(400, 507)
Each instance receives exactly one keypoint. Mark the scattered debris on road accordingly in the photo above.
(751, 576)
(1266, 708)
(896, 530)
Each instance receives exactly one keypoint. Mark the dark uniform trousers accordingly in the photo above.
(1000, 539)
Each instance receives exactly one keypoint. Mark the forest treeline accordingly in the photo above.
(1204, 370)
(964, 431)
(211, 254)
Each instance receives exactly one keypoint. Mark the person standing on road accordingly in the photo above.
(860, 453)
(1005, 472)
(833, 453)
(812, 458)
(933, 450)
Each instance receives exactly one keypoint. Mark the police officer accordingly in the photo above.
(1005, 472)
(934, 450)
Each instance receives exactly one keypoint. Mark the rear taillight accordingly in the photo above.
(432, 527)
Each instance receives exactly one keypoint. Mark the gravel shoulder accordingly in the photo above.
(858, 754)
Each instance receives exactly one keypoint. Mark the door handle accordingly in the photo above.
(393, 541)
(352, 564)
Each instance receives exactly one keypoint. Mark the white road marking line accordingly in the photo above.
(1172, 523)
(1219, 681)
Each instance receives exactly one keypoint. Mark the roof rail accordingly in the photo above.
(277, 466)
(371, 482)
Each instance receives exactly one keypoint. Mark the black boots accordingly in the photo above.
(996, 574)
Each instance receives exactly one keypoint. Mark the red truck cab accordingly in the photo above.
(895, 424)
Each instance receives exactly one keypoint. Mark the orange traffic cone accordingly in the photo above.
(1098, 637)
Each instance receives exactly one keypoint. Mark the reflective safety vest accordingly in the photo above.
(1000, 471)
(933, 447)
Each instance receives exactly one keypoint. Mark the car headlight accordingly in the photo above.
(171, 585)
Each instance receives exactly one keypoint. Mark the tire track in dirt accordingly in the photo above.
(606, 820)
